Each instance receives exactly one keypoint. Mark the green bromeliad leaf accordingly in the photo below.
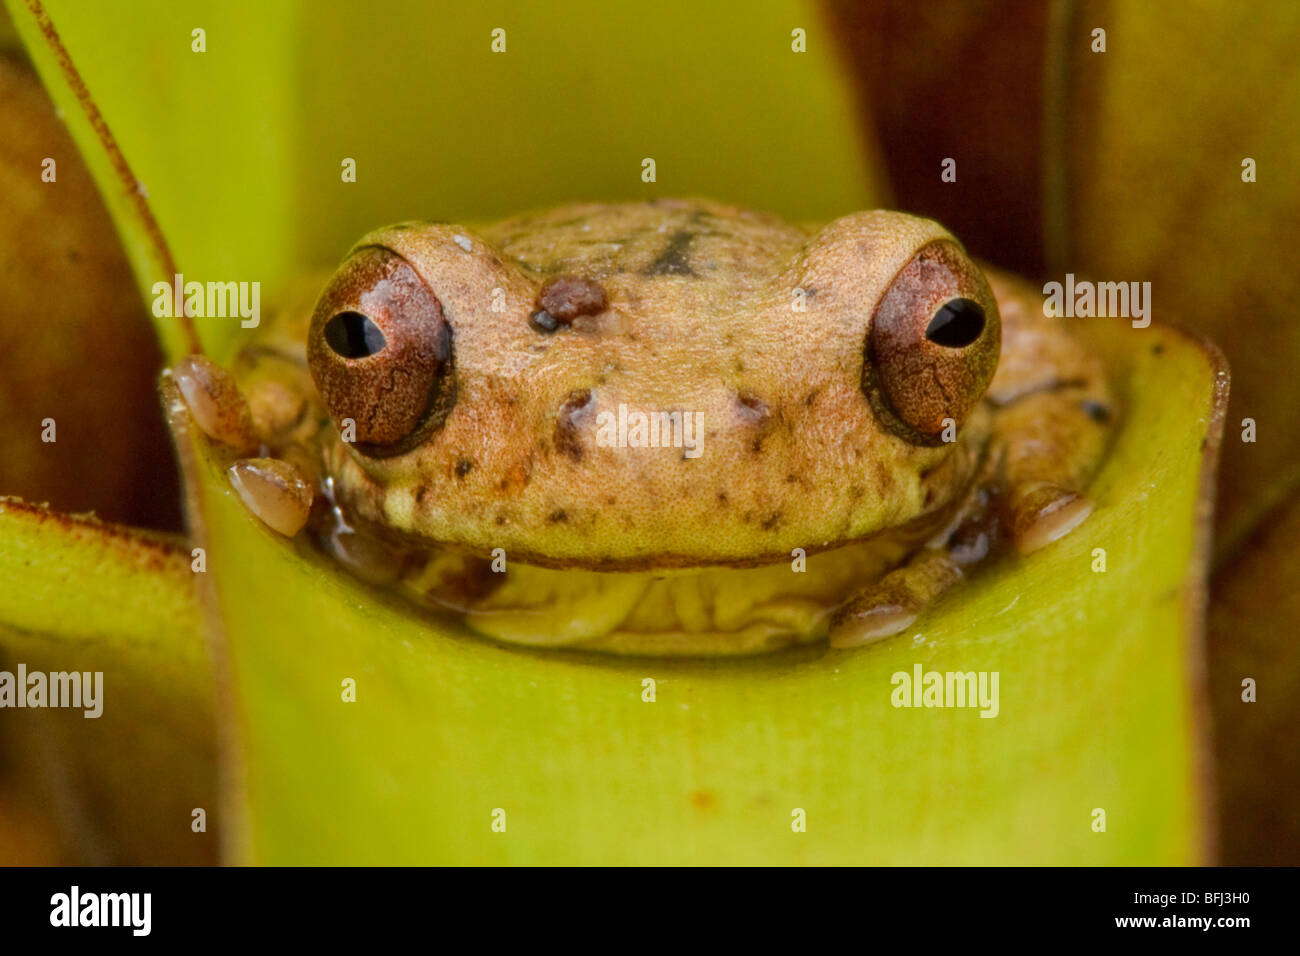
(82, 595)
(240, 149)
(1097, 689)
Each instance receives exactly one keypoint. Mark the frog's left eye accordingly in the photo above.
(380, 352)
(933, 345)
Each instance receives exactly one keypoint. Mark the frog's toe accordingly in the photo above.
(275, 491)
(870, 624)
(895, 602)
(1042, 513)
(215, 403)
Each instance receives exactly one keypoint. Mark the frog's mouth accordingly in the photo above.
(685, 612)
(666, 604)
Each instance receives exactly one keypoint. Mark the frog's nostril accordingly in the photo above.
(353, 335)
(956, 325)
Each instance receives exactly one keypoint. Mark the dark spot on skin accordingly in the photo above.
(543, 321)
(753, 413)
(463, 467)
(74, 255)
(564, 298)
(791, 479)
(1158, 349)
(885, 482)
(1204, 442)
(419, 495)
(754, 408)
(771, 521)
(811, 396)
(1098, 412)
(568, 436)
(500, 519)
(518, 476)
(558, 517)
(673, 260)
(723, 499)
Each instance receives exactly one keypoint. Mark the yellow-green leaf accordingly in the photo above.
(81, 595)
(1099, 697)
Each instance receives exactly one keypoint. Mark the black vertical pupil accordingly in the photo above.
(956, 325)
(352, 335)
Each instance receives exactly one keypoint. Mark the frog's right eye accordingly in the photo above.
(380, 352)
(933, 345)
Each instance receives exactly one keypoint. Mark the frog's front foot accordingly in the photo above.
(896, 601)
(1031, 516)
(893, 603)
(1044, 446)
(274, 490)
(1040, 513)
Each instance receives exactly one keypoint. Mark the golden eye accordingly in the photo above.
(933, 345)
(380, 352)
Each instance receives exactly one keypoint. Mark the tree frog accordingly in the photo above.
(666, 428)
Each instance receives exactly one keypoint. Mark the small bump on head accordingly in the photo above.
(565, 298)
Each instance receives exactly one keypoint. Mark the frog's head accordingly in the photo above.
(654, 385)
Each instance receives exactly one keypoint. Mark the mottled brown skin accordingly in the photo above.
(699, 319)
(835, 417)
